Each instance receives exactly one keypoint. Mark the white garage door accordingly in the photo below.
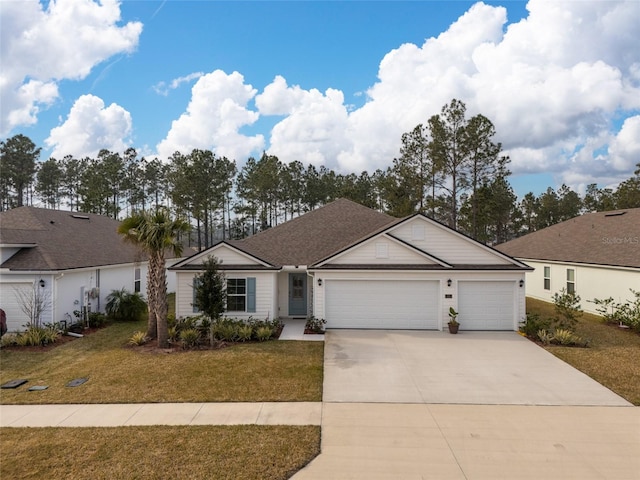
(381, 304)
(486, 305)
(10, 303)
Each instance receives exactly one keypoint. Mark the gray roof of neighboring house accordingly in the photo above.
(315, 235)
(601, 238)
(63, 240)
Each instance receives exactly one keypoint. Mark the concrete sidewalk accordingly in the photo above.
(117, 415)
(476, 442)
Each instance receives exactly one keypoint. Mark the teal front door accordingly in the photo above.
(297, 294)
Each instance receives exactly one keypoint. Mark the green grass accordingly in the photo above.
(246, 452)
(268, 371)
(613, 358)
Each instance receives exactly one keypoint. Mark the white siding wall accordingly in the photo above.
(590, 282)
(520, 309)
(446, 245)
(265, 294)
(368, 254)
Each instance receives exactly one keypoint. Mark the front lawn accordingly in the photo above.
(268, 371)
(240, 452)
(613, 357)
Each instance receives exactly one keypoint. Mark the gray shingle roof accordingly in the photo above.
(63, 240)
(315, 235)
(601, 238)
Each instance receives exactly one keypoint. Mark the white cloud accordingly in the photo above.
(163, 88)
(214, 116)
(89, 128)
(551, 83)
(314, 129)
(40, 47)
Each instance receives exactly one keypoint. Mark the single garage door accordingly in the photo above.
(10, 294)
(486, 305)
(382, 304)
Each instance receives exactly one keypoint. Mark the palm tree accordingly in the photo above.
(154, 232)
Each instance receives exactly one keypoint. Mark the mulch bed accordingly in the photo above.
(62, 339)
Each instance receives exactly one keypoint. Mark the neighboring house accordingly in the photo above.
(358, 268)
(70, 260)
(596, 255)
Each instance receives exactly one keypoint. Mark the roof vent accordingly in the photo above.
(614, 214)
(81, 217)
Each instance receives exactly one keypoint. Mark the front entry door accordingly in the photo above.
(297, 294)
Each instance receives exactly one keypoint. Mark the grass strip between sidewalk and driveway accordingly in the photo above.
(613, 357)
(243, 452)
(270, 371)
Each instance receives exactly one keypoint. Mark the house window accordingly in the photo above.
(193, 301)
(571, 280)
(382, 250)
(136, 280)
(236, 294)
(547, 278)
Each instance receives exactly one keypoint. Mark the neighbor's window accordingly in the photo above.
(236, 294)
(136, 280)
(547, 278)
(571, 280)
(196, 281)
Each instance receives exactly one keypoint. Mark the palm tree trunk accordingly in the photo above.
(161, 300)
(152, 322)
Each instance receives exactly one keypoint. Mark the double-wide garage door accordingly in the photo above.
(486, 305)
(382, 304)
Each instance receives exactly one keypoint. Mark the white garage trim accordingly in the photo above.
(382, 304)
(487, 305)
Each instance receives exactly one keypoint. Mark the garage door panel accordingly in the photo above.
(10, 295)
(486, 305)
(382, 304)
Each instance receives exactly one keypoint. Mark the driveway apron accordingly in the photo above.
(480, 368)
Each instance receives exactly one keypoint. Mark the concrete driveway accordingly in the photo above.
(481, 368)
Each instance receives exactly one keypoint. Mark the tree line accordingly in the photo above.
(449, 168)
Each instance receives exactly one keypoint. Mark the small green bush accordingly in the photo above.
(263, 333)
(544, 336)
(245, 332)
(623, 313)
(9, 340)
(138, 338)
(172, 334)
(190, 338)
(123, 305)
(97, 320)
(533, 324)
(567, 307)
(563, 337)
(314, 324)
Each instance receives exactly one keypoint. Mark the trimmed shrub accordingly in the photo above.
(190, 338)
(123, 305)
(314, 324)
(138, 338)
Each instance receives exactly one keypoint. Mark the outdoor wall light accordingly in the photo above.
(449, 282)
(42, 283)
(319, 282)
(521, 283)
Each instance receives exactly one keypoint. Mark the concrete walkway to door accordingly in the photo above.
(482, 368)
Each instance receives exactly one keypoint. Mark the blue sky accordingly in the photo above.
(333, 83)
